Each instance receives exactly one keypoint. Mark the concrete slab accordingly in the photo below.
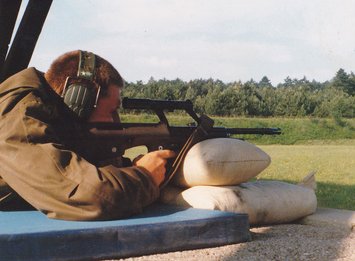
(331, 217)
(31, 235)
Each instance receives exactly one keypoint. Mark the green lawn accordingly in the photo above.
(334, 164)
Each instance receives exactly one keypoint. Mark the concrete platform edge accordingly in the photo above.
(331, 217)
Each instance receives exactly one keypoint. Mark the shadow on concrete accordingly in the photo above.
(318, 241)
(295, 242)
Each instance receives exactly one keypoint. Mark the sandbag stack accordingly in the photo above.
(216, 175)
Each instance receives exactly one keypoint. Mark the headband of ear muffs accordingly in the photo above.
(79, 93)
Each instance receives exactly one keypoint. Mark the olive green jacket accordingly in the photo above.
(44, 161)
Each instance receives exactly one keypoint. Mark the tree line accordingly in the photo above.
(293, 97)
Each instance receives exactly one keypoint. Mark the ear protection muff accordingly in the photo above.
(79, 92)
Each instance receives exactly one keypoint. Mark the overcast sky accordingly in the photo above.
(229, 40)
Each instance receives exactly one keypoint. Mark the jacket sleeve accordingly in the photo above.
(61, 183)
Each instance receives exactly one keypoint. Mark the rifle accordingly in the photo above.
(112, 139)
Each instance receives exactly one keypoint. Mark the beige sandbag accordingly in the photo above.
(221, 161)
(309, 181)
(266, 202)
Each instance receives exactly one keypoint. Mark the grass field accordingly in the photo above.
(334, 164)
(326, 146)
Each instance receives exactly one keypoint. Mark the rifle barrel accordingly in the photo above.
(263, 131)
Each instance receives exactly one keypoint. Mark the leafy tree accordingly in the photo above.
(293, 97)
(344, 81)
(265, 82)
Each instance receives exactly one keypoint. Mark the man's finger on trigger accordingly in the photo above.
(166, 154)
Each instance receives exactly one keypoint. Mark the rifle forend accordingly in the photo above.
(148, 104)
(159, 106)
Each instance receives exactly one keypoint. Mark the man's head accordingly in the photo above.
(105, 84)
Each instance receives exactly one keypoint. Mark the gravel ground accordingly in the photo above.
(279, 242)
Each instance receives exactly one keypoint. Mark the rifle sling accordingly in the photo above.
(196, 136)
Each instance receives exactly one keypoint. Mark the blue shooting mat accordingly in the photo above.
(30, 235)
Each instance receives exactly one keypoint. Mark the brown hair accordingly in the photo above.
(67, 64)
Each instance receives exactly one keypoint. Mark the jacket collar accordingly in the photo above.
(29, 77)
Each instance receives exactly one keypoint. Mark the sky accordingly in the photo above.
(229, 40)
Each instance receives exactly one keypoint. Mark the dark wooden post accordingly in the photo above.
(26, 37)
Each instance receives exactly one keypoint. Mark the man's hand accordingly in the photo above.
(154, 162)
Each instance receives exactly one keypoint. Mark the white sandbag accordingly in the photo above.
(221, 161)
(266, 202)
